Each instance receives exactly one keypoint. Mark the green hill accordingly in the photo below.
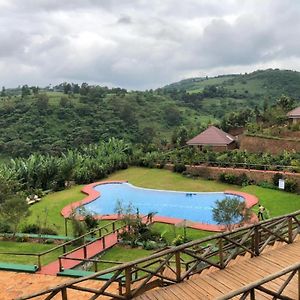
(52, 120)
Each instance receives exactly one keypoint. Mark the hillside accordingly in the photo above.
(51, 120)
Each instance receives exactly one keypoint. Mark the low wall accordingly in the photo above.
(258, 144)
(255, 175)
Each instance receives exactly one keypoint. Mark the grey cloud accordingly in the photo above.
(143, 44)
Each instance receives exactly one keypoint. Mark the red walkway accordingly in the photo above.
(92, 250)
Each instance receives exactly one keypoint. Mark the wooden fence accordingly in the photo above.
(85, 239)
(250, 291)
(179, 263)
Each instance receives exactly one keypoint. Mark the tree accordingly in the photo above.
(3, 92)
(25, 90)
(67, 88)
(172, 116)
(13, 211)
(230, 211)
(285, 103)
(42, 101)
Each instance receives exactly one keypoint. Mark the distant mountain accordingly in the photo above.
(271, 82)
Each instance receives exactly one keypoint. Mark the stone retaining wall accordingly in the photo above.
(255, 175)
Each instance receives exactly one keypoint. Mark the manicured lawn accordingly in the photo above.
(169, 232)
(163, 179)
(275, 201)
(7, 246)
(122, 254)
(48, 210)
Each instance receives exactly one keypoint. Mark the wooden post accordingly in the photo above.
(64, 248)
(256, 241)
(66, 226)
(103, 241)
(221, 253)
(60, 265)
(290, 229)
(96, 266)
(39, 262)
(84, 251)
(178, 266)
(128, 282)
(100, 232)
(252, 294)
(64, 295)
(298, 284)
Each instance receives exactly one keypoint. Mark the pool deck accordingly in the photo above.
(89, 190)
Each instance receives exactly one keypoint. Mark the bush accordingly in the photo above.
(150, 245)
(276, 178)
(179, 168)
(48, 231)
(5, 228)
(180, 239)
(31, 228)
(48, 241)
(266, 184)
(22, 239)
(290, 185)
(233, 179)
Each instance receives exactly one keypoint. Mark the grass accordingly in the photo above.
(169, 232)
(48, 210)
(26, 247)
(122, 254)
(276, 202)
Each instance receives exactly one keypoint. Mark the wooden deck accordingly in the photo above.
(216, 283)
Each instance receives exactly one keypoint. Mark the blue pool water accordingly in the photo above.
(196, 207)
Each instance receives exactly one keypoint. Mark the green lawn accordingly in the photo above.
(277, 202)
(122, 254)
(7, 246)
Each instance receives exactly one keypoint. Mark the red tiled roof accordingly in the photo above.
(294, 113)
(212, 136)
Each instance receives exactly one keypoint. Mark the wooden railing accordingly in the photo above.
(176, 264)
(84, 246)
(108, 228)
(256, 289)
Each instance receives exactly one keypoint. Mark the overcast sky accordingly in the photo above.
(143, 44)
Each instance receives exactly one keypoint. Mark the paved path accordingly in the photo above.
(221, 282)
(92, 250)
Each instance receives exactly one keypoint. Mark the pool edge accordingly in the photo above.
(89, 190)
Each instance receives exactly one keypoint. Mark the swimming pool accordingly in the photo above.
(195, 207)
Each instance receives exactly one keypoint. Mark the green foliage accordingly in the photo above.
(179, 168)
(13, 211)
(290, 185)
(179, 240)
(230, 211)
(233, 179)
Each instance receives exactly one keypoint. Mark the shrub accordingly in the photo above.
(150, 245)
(48, 241)
(180, 239)
(31, 228)
(276, 178)
(22, 239)
(48, 231)
(228, 178)
(290, 185)
(5, 228)
(266, 184)
(179, 168)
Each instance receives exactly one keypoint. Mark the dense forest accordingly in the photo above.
(52, 120)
